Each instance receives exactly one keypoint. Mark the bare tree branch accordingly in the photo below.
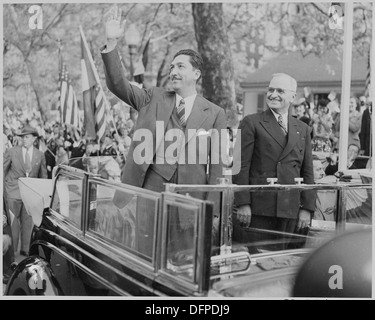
(234, 16)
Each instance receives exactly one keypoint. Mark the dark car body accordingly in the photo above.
(95, 237)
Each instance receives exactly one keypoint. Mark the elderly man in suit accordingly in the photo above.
(166, 115)
(274, 145)
(22, 161)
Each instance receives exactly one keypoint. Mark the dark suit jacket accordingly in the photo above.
(156, 104)
(365, 134)
(14, 168)
(264, 156)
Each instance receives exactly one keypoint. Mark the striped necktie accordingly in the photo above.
(282, 124)
(181, 113)
(27, 163)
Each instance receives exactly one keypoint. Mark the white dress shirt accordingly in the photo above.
(30, 151)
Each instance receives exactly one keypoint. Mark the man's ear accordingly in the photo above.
(198, 74)
(293, 97)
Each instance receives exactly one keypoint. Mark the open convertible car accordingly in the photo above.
(98, 237)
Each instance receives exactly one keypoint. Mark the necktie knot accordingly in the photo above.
(181, 113)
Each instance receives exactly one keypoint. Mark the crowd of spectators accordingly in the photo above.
(61, 143)
(324, 118)
(64, 144)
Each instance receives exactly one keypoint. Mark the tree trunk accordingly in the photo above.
(217, 75)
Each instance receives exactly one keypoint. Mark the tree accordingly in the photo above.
(217, 74)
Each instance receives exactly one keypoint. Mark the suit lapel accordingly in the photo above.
(165, 108)
(197, 116)
(272, 127)
(163, 114)
(293, 136)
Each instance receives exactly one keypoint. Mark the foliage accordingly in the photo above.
(256, 31)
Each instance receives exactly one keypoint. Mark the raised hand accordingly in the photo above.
(114, 28)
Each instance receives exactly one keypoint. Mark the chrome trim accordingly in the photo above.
(94, 258)
(266, 187)
(82, 266)
(114, 253)
(265, 255)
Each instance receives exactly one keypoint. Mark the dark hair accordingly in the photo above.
(195, 58)
(305, 119)
(357, 104)
(315, 157)
(322, 102)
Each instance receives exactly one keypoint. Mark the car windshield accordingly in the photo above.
(273, 241)
(265, 233)
(107, 167)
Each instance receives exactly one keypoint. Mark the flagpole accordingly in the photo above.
(60, 74)
(345, 89)
(96, 75)
(372, 94)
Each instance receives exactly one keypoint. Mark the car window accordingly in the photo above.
(181, 240)
(126, 218)
(67, 198)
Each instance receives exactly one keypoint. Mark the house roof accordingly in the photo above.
(308, 70)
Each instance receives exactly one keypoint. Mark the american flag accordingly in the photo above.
(94, 101)
(68, 100)
(368, 76)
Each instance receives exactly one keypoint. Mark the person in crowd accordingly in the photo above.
(107, 147)
(25, 161)
(6, 143)
(353, 152)
(355, 121)
(50, 153)
(62, 156)
(110, 169)
(90, 152)
(274, 144)
(78, 151)
(302, 109)
(319, 172)
(322, 125)
(362, 104)
(365, 133)
(56, 131)
(326, 200)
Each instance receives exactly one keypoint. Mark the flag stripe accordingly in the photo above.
(368, 75)
(95, 104)
(68, 99)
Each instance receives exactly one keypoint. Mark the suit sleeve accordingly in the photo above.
(363, 134)
(7, 162)
(118, 84)
(243, 152)
(307, 173)
(219, 139)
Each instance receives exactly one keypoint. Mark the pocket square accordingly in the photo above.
(203, 133)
